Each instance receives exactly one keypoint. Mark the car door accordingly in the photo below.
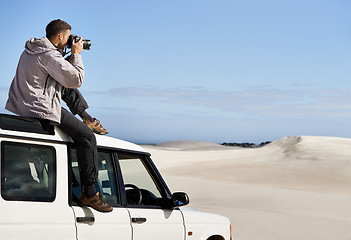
(91, 224)
(146, 196)
(34, 191)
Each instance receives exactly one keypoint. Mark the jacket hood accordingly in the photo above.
(41, 45)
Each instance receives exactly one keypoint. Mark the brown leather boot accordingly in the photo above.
(95, 126)
(95, 202)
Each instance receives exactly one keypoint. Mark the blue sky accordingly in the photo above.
(219, 70)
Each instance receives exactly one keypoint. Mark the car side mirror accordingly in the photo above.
(180, 199)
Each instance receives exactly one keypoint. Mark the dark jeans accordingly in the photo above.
(74, 100)
(82, 136)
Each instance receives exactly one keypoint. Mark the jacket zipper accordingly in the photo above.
(46, 83)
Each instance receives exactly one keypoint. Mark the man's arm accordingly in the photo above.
(68, 74)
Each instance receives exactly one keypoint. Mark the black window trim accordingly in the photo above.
(121, 196)
(119, 201)
(4, 142)
(156, 176)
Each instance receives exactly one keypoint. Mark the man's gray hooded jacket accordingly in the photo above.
(41, 72)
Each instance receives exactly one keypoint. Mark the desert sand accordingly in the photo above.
(294, 188)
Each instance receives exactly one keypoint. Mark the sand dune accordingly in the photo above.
(294, 188)
(190, 145)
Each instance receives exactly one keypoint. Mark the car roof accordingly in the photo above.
(31, 128)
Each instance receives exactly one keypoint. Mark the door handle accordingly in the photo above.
(138, 220)
(85, 219)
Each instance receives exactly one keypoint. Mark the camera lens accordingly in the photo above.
(74, 38)
(86, 44)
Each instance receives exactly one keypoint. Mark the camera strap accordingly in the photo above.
(66, 51)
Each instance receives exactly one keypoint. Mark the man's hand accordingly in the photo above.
(77, 47)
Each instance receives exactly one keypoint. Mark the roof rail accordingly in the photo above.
(25, 124)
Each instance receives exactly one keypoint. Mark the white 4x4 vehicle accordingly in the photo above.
(40, 188)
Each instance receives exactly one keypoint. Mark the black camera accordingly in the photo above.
(74, 38)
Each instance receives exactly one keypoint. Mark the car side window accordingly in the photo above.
(140, 186)
(106, 184)
(28, 172)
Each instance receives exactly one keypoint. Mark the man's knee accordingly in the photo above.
(85, 138)
(74, 100)
(91, 138)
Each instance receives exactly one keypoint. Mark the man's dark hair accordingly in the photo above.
(55, 27)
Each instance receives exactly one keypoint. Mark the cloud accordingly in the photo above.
(267, 101)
